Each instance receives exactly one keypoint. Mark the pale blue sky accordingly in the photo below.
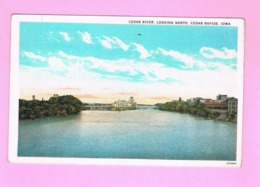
(104, 62)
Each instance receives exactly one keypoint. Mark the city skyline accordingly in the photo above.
(106, 62)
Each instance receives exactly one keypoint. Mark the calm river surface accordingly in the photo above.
(128, 134)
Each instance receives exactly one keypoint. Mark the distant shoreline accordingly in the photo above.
(56, 106)
(60, 106)
(222, 117)
(198, 109)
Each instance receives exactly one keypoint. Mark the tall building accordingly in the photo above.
(222, 97)
(131, 102)
(232, 105)
(131, 99)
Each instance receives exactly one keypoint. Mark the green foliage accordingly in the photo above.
(196, 108)
(55, 106)
(231, 117)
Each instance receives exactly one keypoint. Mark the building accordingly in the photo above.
(198, 99)
(202, 100)
(232, 105)
(223, 104)
(125, 104)
(193, 100)
(216, 105)
(131, 100)
(120, 103)
(221, 98)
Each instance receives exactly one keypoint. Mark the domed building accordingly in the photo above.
(125, 104)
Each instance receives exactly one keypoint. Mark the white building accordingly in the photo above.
(124, 104)
(203, 100)
(120, 103)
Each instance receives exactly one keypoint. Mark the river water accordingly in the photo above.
(148, 134)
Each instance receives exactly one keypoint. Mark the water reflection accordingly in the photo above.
(151, 134)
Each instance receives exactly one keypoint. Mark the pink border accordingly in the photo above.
(35, 175)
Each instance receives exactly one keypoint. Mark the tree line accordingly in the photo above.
(197, 108)
(54, 107)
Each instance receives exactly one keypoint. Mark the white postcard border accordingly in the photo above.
(14, 89)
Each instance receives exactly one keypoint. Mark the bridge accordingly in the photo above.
(145, 107)
(100, 106)
(96, 106)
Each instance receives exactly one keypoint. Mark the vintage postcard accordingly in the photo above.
(104, 90)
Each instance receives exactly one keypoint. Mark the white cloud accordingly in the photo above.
(56, 63)
(224, 53)
(113, 42)
(186, 59)
(148, 71)
(121, 44)
(65, 36)
(106, 44)
(110, 40)
(218, 66)
(70, 57)
(34, 56)
(80, 73)
(143, 52)
(204, 83)
(86, 37)
(106, 65)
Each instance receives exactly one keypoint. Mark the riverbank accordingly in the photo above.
(197, 109)
(56, 106)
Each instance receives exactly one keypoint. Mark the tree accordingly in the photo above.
(55, 106)
(197, 108)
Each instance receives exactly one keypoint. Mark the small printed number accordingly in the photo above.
(231, 163)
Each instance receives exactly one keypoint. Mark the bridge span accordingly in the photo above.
(145, 107)
(96, 106)
(100, 106)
